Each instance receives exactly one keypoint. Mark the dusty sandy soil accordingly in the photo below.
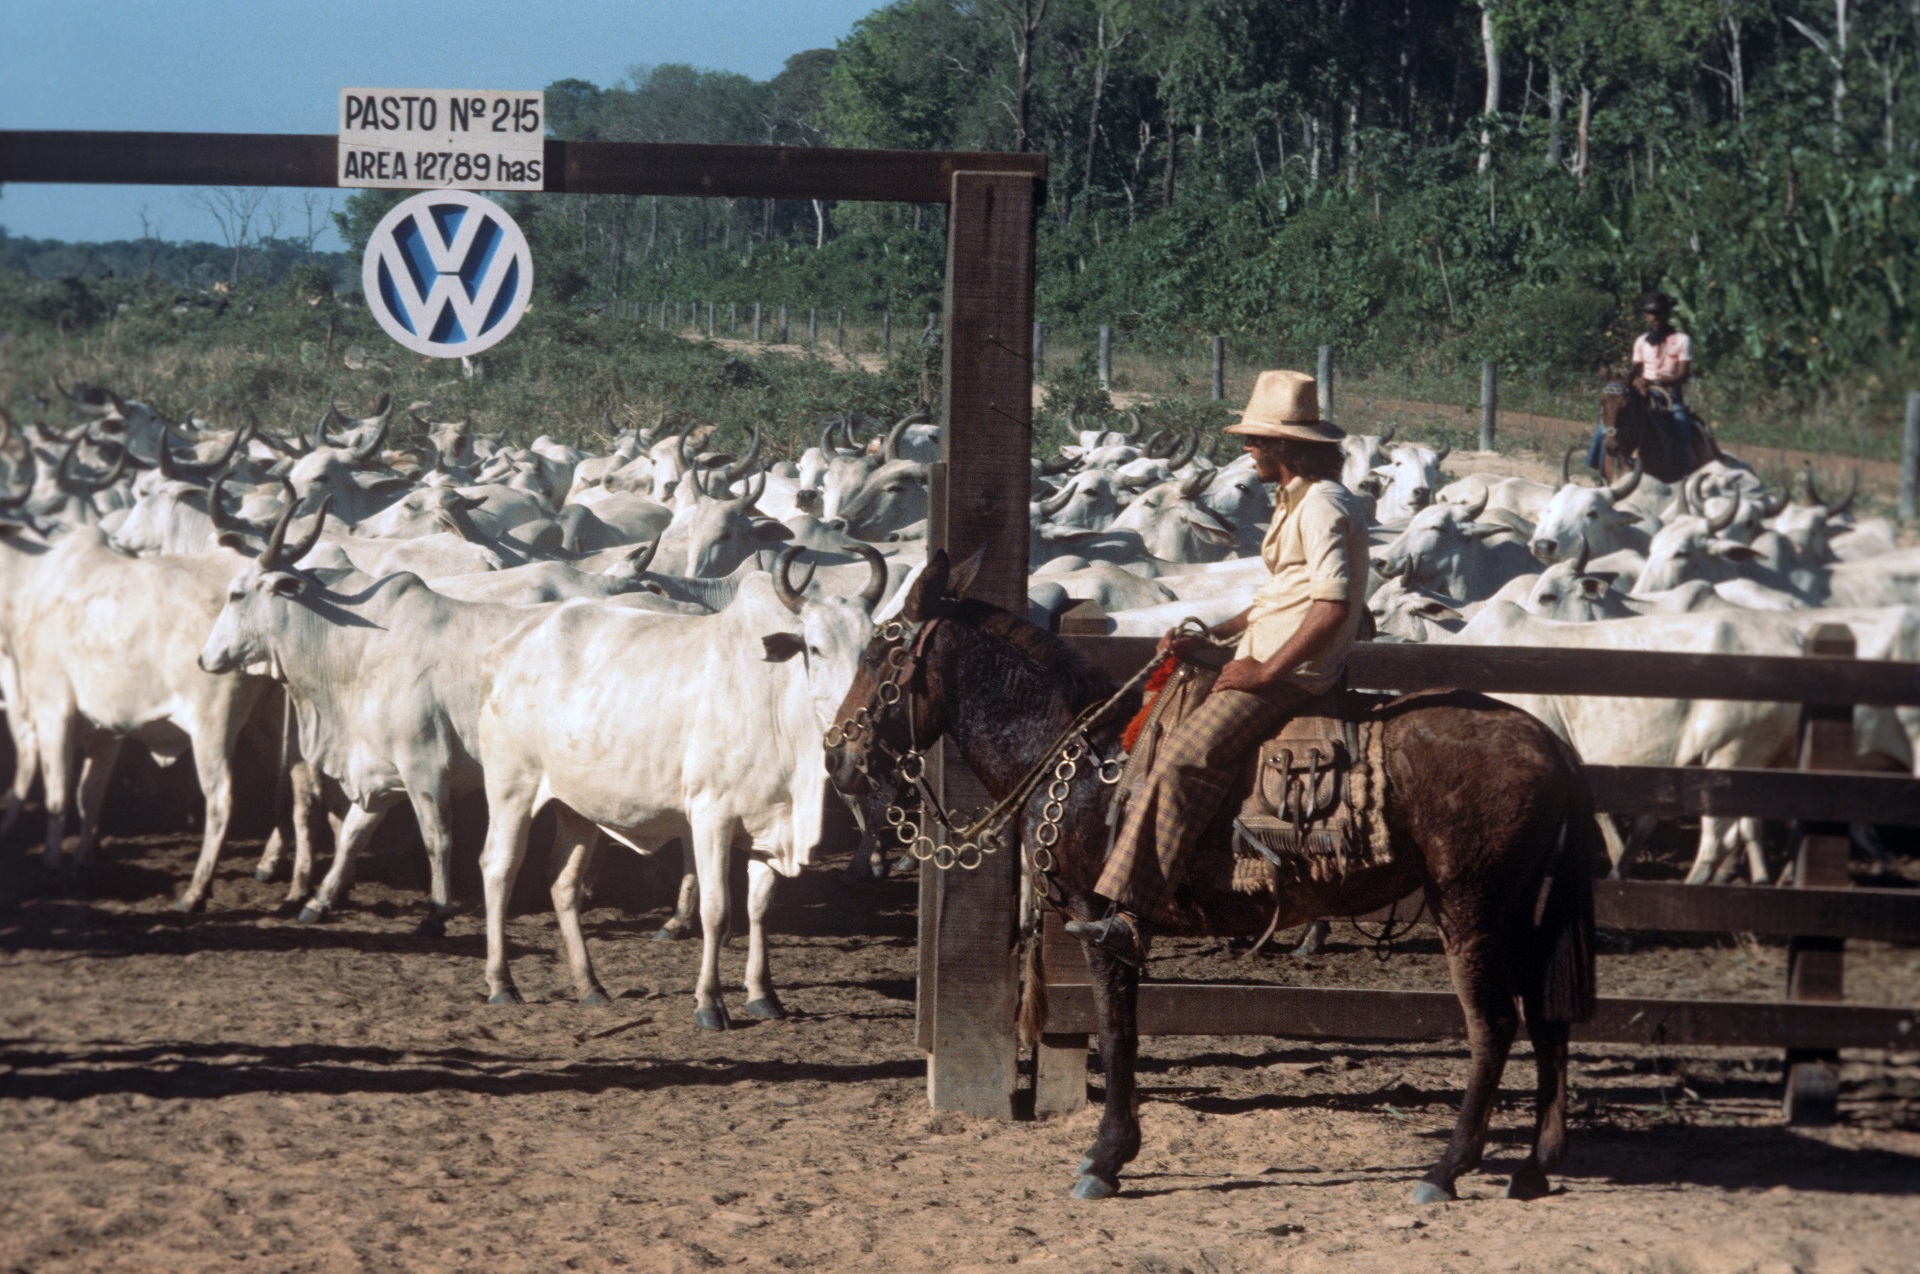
(235, 1091)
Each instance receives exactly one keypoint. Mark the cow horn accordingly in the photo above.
(165, 453)
(1072, 424)
(224, 532)
(1054, 468)
(384, 410)
(756, 487)
(1158, 446)
(735, 470)
(1717, 523)
(1446, 449)
(1056, 502)
(1135, 425)
(890, 448)
(293, 555)
(1846, 501)
(783, 587)
(77, 485)
(235, 443)
(826, 437)
(6, 428)
(1181, 458)
(1387, 437)
(278, 535)
(1580, 558)
(688, 463)
(1566, 466)
(1624, 485)
(1473, 511)
(1195, 484)
(642, 557)
(318, 438)
(876, 578)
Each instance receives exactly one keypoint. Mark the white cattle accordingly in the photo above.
(1578, 520)
(1446, 550)
(1085, 500)
(650, 727)
(1359, 457)
(1174, 525)
(386, 678)
(1607, 730)
(107, 648)
(1408, 480)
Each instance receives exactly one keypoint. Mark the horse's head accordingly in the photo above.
(895, 706)
(1623, 413)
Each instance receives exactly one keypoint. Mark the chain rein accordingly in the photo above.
(968, 845)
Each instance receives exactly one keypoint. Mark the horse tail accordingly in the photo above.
(1564, 926)
(1033, 991)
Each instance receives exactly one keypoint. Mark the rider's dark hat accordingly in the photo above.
(1656, 303)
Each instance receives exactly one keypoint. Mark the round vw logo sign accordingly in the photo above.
(447, 273)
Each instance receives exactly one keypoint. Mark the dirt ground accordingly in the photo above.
(237, 1091)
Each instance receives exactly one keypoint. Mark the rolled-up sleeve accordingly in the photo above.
(1326, 533)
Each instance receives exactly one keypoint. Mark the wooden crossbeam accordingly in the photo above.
(626, 168)
(1287, 1012)
(1670, 792)
(1630, 673)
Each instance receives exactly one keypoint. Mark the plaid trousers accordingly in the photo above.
(1193, 771)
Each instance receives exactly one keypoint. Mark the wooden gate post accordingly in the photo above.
(1816, 967)
(968, 1011)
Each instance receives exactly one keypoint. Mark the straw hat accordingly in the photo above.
(1286, 405)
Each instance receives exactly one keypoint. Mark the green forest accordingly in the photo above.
(1423, 183)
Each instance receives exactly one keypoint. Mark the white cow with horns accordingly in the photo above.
(649, 727)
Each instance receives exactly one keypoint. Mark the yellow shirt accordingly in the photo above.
(1316, 548)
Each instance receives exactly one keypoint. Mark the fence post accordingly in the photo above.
(813, 326)
(733, 317)
(886, 334)
(1039, 350)
(1323, 376)
(1219, 368)
(783, 325)
(1106, 357)
(840, 331)
(1816, 967)
(1910, 463)
(756, 322)
(1489, 402)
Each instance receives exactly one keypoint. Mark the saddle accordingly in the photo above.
(1317, 789)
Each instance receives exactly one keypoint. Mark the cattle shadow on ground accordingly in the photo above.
(217, 1069)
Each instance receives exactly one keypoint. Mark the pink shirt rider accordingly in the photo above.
(1662, 363)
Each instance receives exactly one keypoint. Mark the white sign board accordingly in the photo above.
(436, 138)
(447, 273)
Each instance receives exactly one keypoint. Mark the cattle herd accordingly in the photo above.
(656, 640)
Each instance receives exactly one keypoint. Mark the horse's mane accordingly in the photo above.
(1059, 661)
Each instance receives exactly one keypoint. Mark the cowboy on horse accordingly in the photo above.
(1290, 646)
(1646, 413)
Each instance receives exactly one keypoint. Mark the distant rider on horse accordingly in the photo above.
(1291, 646)
(1662, 363)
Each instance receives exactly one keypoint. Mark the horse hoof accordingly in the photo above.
(767, 1010)
(1086, 1165)
(262, 875)
(713, 1019)
(596, 998)
(1529, 1182)
(312, 915)
(1092, 1187)
(187, 906)
(507, 996)
(1428, 1192)
(667, 933)
(431, 927)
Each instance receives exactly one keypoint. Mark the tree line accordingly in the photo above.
(1424, 179)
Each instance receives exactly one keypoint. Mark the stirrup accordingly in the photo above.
(1115, 933)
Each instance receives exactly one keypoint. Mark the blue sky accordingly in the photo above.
(276, 66)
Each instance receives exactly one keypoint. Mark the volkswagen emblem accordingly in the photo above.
(447, 273)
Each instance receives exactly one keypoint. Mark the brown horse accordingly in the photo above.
(1637, 426)
(1487, 811)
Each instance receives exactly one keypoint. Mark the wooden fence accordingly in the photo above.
(1811, 1022)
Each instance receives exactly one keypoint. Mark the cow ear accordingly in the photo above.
(285, 583)
(781, 647)
(771, 532)
(968, 571)
(1435, 610)
(1482, 530)
(231, 540)
(1593, 585)
(1734, 552)
(929, 588)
